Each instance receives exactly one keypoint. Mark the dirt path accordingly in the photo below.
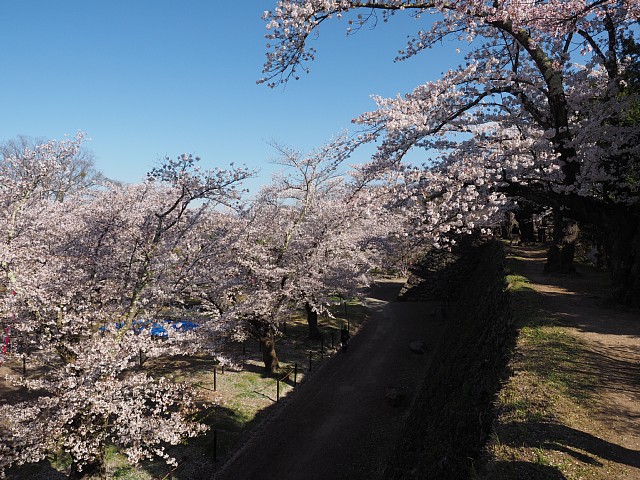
(338, 424)
(612, 337)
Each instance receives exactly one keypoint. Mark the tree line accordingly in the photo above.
(543, 110)
(89, 265)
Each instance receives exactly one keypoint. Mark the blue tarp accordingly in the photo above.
(157, 329)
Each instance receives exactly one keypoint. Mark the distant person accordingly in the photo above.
(344, 338)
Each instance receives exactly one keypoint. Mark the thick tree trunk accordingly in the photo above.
(624, 258)
(561, 254)
(269, 356)
(312, 320)
(95, 469)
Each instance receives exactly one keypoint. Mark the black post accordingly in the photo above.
(295, 374)
(215, 444)
(24, 364)
(278, 389)
(140, 352)
(215, 379)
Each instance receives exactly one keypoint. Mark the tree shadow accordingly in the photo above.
(586, 303)
(586, 369)
(385, 290)
(202, 456)
(187, 365)
(36, 471)
(505, 470)
(580, 445)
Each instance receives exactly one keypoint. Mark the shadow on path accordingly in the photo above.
(338, 424)
(600, 366)
(580, 445)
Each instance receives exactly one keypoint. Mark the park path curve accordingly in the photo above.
(337, 425)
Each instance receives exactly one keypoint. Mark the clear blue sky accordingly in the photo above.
(153, 78)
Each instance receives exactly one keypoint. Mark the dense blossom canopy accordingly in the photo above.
(313, 235)
(81, 274)
(85, 275)
(540, 108)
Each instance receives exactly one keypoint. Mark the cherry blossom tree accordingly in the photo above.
(95, 400)
(312, 235)
(24, 159)
(542, 108)
(26, 178)
(78, 271)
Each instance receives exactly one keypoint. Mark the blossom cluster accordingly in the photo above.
(86, 278)
(81, 274)
(541, 106)
(314, 235)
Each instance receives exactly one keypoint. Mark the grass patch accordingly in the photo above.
(545, 427)
(119, 468)
(243, 398)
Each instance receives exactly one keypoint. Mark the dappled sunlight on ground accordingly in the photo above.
(574, 396)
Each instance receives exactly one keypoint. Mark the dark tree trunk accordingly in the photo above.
(312, 320)
(624, 260)
(95, 469)
(619, 223)
(561, 254)
(526, 229)
(269, 356)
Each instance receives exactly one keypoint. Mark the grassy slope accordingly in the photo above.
(545, 428)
